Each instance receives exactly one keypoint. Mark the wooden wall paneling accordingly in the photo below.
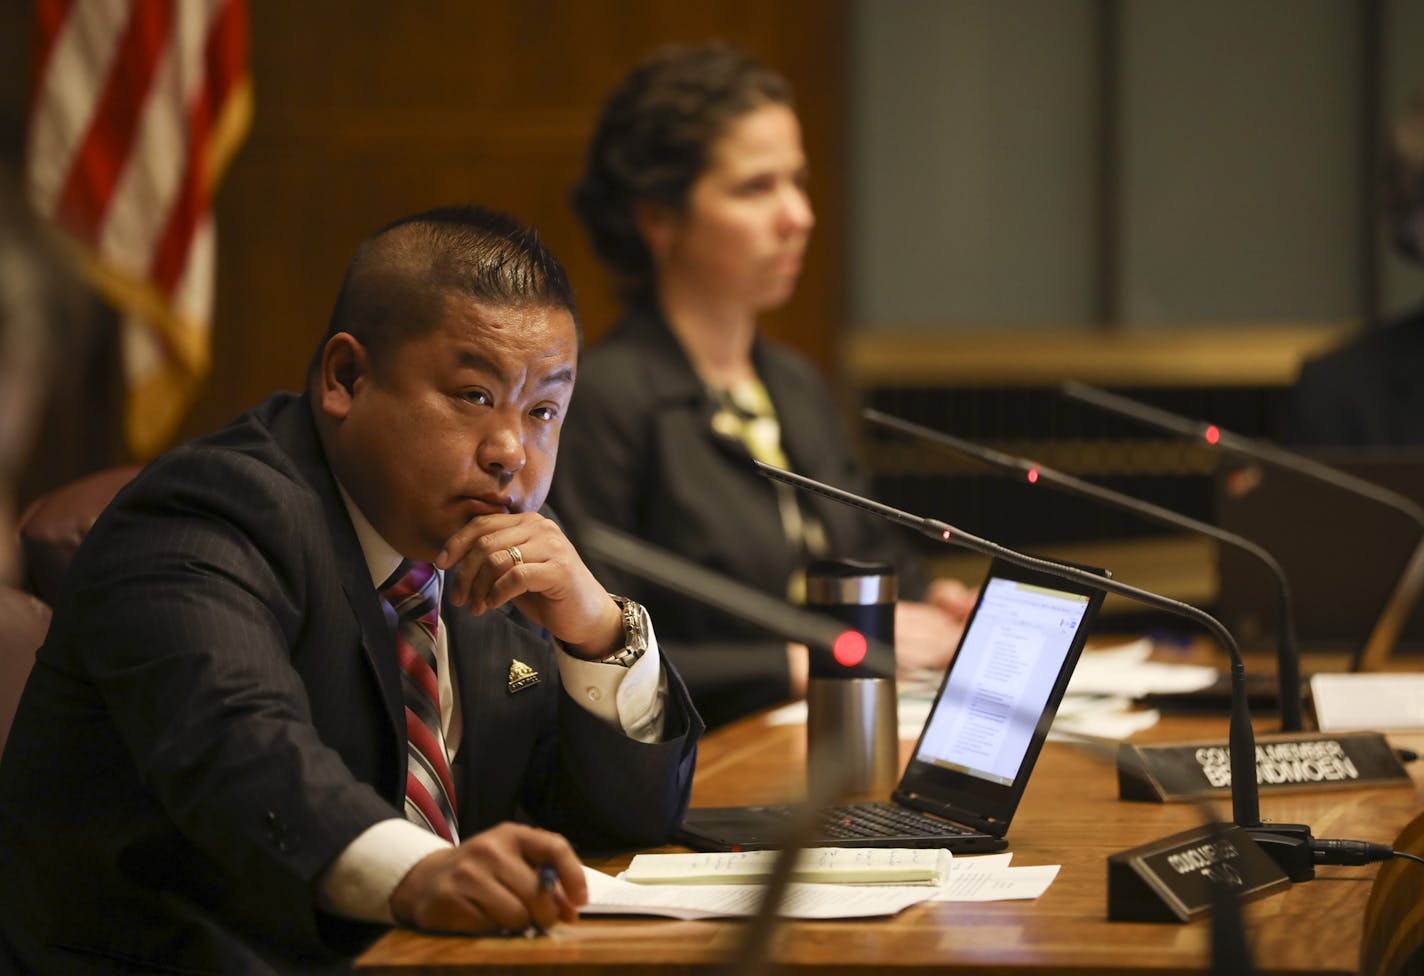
(368, 111)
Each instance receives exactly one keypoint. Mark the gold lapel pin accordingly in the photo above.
(521, 676)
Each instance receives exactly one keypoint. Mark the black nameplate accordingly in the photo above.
(1284, 763)
(1171, 880)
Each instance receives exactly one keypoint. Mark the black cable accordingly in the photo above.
(1331, 851)
(1407, 755)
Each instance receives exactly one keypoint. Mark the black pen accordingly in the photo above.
(548, 877)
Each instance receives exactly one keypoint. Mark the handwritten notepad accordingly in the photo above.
(820, 865)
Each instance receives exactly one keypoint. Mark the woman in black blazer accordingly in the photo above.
(693, 193)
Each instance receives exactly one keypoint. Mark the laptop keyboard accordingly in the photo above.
(854, 820)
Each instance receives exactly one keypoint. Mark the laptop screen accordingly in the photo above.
(1008, 663)
(1000, 694)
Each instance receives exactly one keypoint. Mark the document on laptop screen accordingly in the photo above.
(1001, 679)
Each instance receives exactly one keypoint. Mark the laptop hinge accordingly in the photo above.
(948, 811)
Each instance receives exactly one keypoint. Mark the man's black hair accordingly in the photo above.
(396, 286)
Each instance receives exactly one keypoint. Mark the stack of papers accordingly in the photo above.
(982, 878)
(613, 896)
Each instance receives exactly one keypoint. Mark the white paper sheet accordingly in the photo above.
(1126, 671)
(1368, 702)
(991, 878)
(1099, 717)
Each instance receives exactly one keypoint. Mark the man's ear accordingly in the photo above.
(657, 223)
(345, 366)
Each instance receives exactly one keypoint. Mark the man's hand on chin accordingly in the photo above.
(526, 558)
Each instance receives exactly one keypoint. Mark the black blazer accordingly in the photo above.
(216, 714)
(1367, 393)
(638, 452)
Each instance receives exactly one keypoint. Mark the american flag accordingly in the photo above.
(138, 105)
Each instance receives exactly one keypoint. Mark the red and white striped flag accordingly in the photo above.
(138, 106)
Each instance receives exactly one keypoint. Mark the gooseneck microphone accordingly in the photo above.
(1287, 653)
(1411, 582)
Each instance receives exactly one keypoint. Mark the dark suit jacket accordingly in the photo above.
(1367, 393)
(216, 714)
(638, 452)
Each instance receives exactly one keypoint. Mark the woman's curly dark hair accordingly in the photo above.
(652, 142)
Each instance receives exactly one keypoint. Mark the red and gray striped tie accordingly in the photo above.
(413, 592)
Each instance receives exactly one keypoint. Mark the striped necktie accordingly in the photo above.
(413, 592)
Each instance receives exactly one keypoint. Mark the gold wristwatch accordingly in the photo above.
(635, 634)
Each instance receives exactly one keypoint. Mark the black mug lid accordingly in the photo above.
(832, 582)
(841, 568)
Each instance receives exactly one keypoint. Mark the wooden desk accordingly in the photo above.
(1070, 816)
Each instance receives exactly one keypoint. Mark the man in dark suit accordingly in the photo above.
(1368, 391)
(252, 691)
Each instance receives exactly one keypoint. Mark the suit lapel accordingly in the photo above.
(295, 430)
(803, 434)
(500, 723)
(377, 633)
(810, 437)
(675, 382)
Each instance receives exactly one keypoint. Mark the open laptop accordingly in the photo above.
(979, 744)
(1342, 553)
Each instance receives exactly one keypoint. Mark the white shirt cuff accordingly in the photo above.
(360, 881)
(630, 699)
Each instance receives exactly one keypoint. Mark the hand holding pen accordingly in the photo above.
(549, 884)
(510, 878)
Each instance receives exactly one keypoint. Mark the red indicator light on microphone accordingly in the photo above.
(849, 648)
(1032, 476)
(944, 535)
(1212, 433)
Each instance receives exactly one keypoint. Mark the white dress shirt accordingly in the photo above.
(360, 881)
